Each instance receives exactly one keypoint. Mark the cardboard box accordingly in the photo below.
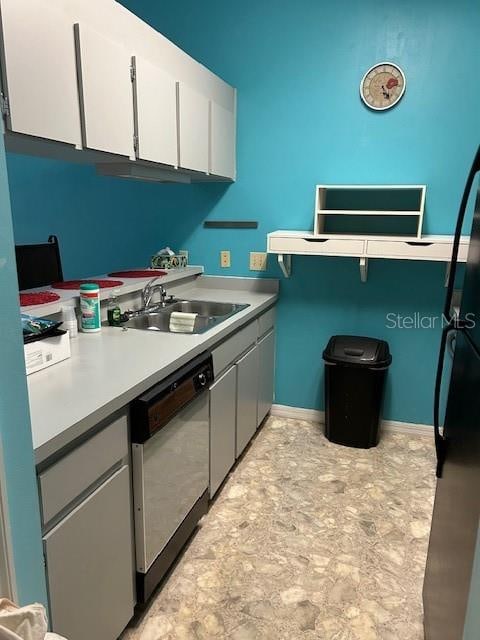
(44, 353)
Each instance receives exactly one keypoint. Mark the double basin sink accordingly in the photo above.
(209, 315)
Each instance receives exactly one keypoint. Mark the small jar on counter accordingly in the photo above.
(90, 307)
(69, 321)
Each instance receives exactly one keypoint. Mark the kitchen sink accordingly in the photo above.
(209, 315)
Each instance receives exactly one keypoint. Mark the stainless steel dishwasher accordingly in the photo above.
(170, 452)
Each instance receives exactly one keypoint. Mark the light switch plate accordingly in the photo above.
(258, 261)
(225, 259)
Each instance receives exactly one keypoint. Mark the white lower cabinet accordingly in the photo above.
(247, 398)
(266, 363)
(89, 564)
(242, 393)
(223, 416)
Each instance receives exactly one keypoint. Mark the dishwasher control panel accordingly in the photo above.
(156, 407)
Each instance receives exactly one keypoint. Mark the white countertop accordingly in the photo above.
(109, 369)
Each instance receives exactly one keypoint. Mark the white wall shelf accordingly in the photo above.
(380, 206)
(286, 244)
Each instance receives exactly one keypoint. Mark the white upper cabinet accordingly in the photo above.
(222, 141)
(193, 120)
(38, 69)
(106, 96)
(155, 95)
(95, 76)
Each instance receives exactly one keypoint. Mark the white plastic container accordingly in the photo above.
(70, 321)
(91, 321)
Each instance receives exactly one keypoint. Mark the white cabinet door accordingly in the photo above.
(106, 93)
(247, 399)
(155, 113)
(89, 559)
(193, 121)
(39, 73)
(222, 427)
(266, 375)
(222, 141)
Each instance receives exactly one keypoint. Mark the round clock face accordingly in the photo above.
(382, 86)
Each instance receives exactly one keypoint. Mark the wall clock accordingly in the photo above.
(382, 86)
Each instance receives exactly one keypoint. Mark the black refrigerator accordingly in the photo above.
(455, 525)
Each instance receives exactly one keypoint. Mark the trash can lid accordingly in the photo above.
(358, 351)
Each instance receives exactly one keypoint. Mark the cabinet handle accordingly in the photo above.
(317, 239)
(420, 244)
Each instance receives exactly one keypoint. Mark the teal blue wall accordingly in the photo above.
(297, 67)
(103, 223)
(15, 433)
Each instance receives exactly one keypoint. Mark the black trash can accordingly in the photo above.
(355, 372)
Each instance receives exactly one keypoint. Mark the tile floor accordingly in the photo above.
(306, 540)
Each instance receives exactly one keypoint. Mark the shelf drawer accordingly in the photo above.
(233, 347)
(266, 322)
(318, 246)
(415, 250)
(68, 478)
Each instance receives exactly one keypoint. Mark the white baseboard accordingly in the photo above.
(314, 415)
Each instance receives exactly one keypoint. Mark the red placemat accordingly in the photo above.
(138, 273)
(75, 284)
(39, 297)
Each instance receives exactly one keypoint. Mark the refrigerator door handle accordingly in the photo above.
(440, 441)
(475, 168)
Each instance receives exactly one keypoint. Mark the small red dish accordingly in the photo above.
(38, 297)
(75, 284)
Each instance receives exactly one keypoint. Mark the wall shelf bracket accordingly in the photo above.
(363, 269)
(285, 264)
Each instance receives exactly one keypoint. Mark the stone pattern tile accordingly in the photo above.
(306, 540)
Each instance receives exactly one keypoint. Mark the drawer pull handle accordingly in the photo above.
(316, 239)
(420, 244)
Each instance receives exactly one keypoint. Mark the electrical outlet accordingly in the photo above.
(258, 261)
(225, 259)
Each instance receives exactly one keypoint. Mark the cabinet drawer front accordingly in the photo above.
(229, 350)
(414, 249)
(73, 474)
(266, 322)
(327, 246)
(90, 564)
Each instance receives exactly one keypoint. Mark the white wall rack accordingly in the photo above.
(372, 205)
(286, 244)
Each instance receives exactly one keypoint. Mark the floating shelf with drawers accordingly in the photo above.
(304, 243)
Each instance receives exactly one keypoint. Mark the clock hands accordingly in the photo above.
(386, 95)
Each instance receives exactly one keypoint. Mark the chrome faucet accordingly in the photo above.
(149, 290)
